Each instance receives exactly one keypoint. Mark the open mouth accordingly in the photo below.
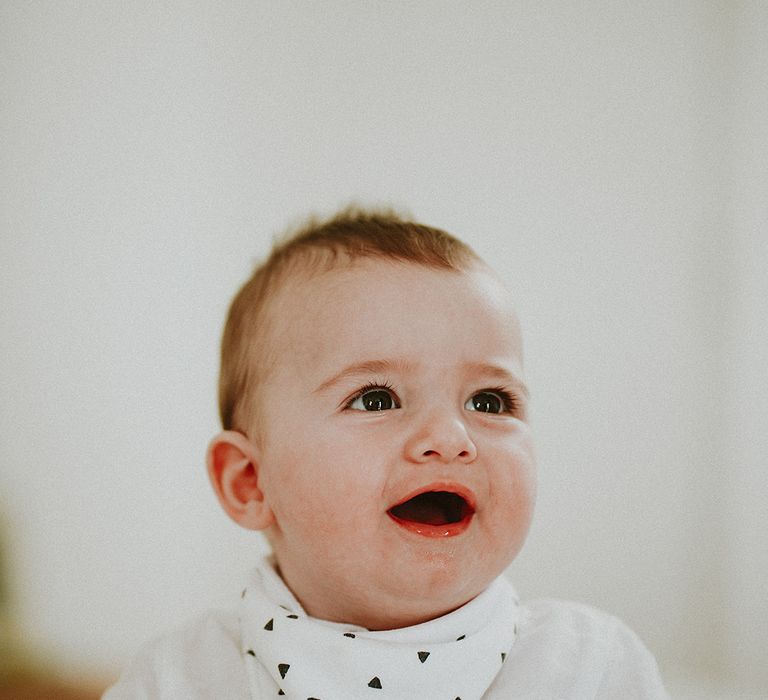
(434, 513)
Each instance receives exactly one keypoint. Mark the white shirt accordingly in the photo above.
(492, 648)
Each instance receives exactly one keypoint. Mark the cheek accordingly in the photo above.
(524, 477)
(516, 481)
(316, 493)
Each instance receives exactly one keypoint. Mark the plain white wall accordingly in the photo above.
(746, 359)
(588, 150)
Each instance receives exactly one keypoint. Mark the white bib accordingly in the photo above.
(454, 657)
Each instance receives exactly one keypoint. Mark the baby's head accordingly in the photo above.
(375, 420)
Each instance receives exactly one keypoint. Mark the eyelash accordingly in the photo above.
(372, 386)
(509, 400)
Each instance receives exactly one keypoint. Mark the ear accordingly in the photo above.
(234, 472)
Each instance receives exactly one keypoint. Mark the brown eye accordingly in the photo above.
(485, 402)
(374, 400)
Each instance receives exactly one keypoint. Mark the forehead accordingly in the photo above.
(391, 308)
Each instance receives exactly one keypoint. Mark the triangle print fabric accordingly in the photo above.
(289, 654)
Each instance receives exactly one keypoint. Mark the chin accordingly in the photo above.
(437, 587)
(414, 612)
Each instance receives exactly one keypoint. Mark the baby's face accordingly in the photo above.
(397, 459)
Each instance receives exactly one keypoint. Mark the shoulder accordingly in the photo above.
(576, 646)
(570, 621)
(200, 659)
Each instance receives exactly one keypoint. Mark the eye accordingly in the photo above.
(373, 398)
(498, 401)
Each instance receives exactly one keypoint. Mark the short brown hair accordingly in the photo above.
(352, 233)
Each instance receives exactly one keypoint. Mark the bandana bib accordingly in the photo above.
(454, 657)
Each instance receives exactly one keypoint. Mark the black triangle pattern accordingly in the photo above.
(375, 682)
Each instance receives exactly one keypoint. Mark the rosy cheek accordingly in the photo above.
(316, 506)
(514, 482)
(522, 453)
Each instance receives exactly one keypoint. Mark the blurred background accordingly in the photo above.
(608, 158)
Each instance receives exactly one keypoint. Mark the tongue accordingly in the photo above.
(429, 508)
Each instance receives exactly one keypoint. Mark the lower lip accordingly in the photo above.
(426, 530)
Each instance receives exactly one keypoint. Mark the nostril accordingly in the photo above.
(444, 441)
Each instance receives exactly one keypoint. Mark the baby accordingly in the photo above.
(376, 430)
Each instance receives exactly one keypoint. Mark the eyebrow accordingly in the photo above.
(497, 372)
(366, 367)
(402, 366)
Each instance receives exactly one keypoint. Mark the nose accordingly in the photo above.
(443, 438)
